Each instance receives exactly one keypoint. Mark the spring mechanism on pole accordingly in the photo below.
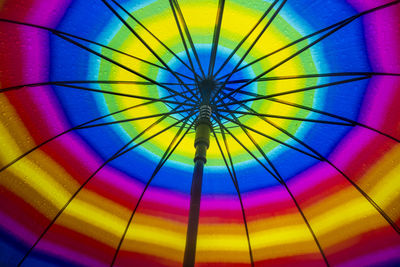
(205, 115)
(203, 129)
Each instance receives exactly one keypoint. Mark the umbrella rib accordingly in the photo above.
(286, 60)
(257, 146)
(120, 94)
(222, 153)
(145, 44)
(183, 40)
(317, 75)
(161, 163)
(229, 127)
(355, 123)
(86, 40)
(316, 33)
(131, 56)
(286, 46)
(75, 128)
(243, 128)
(285, 117)
(158, 133)
(247, 150)
(263, 97)
(294, 105)
(250, 48)
(17, 87)
(162, 100)
(119, 153)
(316, 42)
(134, 119)
(189, 37)
(269, 137)
(245, 38)
(307, 223)
(282, 182)
(276, 140)
(154, 36)
(351, 122)
(322, 158)
(236, 184)
(217, 31)
(367, 197)
(123, 67)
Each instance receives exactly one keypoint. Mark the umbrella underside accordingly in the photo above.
(100, 103)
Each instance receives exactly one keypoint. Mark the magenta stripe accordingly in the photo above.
(389, 256)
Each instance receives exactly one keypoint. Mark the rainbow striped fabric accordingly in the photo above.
(333, 139)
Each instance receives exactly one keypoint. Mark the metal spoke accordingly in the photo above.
(158, 133)
(269, 137)
(286, 187)
(355, 123)
(316, 42)
(284, 117)
(286, 46)
(183, 40)
(89, 41)
(245, 38)
(251, 47)
(146, 45)
(236, 120)
(217, 31)
(154, 36)
(124, 67)
(322, 158)
(365, 195)
(315, 33)
(188, 36)
(284, 184)
(121, 94)
(307, 223)
(263, 97)
(171, 148)
(236, 184)
(16, 87)
(77, 127)
(135, 119)
(116, 155)
(245, 148)
(317, 75)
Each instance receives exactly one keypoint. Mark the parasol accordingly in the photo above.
(207, 133)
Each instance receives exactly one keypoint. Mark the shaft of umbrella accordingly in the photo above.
(201, 143)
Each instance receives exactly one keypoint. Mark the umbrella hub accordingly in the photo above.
(206, 88)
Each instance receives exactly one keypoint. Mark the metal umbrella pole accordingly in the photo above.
(201, 143)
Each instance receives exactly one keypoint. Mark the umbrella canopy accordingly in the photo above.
(100, 105)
